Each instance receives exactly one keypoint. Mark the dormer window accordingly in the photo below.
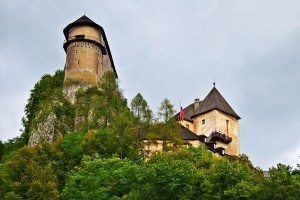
(203, 121)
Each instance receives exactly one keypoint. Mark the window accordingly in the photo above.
(227, 121)
(79, 36)
(203, 121)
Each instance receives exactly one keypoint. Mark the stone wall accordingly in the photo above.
(85, 61)
(82, 62)
(150, 148)
(89, 32)
(217, 121)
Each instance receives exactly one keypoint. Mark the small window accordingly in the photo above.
(79, 36)
(227, 121)
(203, 121)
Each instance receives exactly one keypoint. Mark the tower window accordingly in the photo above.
(227, 121)
(79, 36)
(203, 121)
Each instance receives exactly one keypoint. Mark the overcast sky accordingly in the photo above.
(172, 49)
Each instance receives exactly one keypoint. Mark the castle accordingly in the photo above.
(88, 55)
(212, 121)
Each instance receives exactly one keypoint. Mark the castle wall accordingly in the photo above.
(149, 149)
(210, 123)
(89, 32)
(106, 65)
(188, 125)
(216, 120)
(233, 147)
(83, 62)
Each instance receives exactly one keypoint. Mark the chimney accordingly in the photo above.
(196, 104)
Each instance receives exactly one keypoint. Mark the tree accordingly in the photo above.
(166, 110)
(281, 184)
(29, 176)
(168, 130)
(140, 109)
(98, 178)
(98, 106)
(1, 150)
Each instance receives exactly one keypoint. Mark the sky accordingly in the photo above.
(172, 49)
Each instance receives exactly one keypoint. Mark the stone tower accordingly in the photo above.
(88, 55)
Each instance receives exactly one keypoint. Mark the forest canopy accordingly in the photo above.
(102, 156)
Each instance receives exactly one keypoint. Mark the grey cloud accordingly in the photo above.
(171, 49)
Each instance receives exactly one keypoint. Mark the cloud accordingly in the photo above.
(171, 49)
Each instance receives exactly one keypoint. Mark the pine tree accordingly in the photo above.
(167, 130)
(140, 109)
(166, 110)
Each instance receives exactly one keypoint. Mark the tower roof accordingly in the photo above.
(214, 100)
(85, 21)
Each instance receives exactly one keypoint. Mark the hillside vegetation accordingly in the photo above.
(97, 154)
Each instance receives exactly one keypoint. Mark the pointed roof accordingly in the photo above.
(84, 20)
(214, 100)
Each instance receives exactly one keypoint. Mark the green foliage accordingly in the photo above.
(100, 156)
(281, 184)
(99, 106)
(189, 173)
(71, 146)
(167, 130)
(28, 176)
(2, 149)
(98, 178)
(47, 98)
(166, 110)
(9, 148)
(141, 110)
(45, 92)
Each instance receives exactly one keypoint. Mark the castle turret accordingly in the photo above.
(88, 54)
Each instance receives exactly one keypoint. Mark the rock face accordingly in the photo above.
(88, 57)
(44, 131)
(71, 90)
(52, 120)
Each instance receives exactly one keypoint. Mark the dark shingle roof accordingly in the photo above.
(188, 113)
(84, 20)
(214, 100)
(187, 134)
